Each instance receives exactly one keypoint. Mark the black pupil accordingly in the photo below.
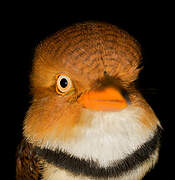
(63, 83)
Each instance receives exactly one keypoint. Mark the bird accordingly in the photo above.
(87, 119)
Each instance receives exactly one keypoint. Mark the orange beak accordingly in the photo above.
(108, 99)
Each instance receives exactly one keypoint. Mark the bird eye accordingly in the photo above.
(64, 84)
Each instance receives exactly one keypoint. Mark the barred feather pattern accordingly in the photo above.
(28, 164)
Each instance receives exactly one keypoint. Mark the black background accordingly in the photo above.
(27, 25)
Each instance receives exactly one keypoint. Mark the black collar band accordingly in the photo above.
(91, 168)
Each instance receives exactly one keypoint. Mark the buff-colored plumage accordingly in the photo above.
(92, 55)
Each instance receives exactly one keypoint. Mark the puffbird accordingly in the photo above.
(87, 119)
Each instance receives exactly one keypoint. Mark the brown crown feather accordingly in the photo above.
(85, 51)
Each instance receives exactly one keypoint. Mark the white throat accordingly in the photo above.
(110, 137)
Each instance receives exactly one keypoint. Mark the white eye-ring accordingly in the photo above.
(64, 84)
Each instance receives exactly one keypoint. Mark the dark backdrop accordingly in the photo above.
(27, 26)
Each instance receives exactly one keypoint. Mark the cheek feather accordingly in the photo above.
(148, 118)
(49, 121)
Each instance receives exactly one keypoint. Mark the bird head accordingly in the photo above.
(83, 89)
